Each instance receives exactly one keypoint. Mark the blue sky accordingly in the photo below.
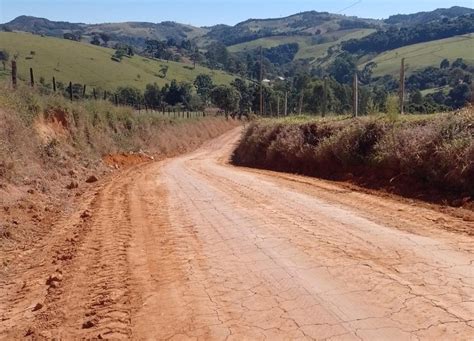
(207, 12)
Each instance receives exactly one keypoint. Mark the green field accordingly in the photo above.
(307, 49)
(91, 65)
(316, 51)
(422, 55)
(270, 42)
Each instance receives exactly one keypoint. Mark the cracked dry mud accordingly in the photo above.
(192, 248)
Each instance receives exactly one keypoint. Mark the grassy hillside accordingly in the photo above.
(422, 55)
(302, 24)
(134, 33)
(316, 51)
(138, 32)
(269, 42)
(88, 64)
(308, 46)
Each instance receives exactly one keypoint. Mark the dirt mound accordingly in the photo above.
(126, 159)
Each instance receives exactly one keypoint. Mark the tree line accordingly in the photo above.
(394, 37)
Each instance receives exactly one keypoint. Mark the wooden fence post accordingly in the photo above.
(84, 91)
(105, 95)
(94, 93)
(32, 78)
(14, 74)
(116, 99)
(54, 84)
(70, 91)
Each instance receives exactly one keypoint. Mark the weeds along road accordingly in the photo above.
(194, 248)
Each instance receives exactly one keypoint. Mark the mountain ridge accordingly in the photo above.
(45, 26)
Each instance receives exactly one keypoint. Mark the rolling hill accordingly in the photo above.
(310, 24)
(422, 55)
(424, 17)
(320, 37)
(309, 47)
(134, 33)
(92, 65)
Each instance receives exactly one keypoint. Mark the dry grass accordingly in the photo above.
(410, 154)
(31, 122)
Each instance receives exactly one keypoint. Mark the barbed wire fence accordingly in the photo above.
(78, 92)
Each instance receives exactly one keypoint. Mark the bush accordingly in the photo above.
(433, 152)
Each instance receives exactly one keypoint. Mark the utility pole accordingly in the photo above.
(355, 94)
(286, 102)
(325, 96)
(54, 84)
(261, 81)
(402, 87)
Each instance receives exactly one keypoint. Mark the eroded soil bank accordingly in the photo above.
(427, 157)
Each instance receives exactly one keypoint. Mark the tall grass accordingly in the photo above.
(427, 152)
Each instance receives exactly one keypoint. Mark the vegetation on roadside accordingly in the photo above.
(39, 131)
(407, 153)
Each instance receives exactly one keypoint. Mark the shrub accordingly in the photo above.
(435, 152)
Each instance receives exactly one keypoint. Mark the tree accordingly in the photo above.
(343, 68)
(118, 55)
(204, 86)
(186, 45)
(95, 41)
(301, 82)
(416, 97)
(460, 95)
(365, 76)
(157, 49)
(226, 98)
(4, 56)
(163, 71)
(185, 91)
(153, 96)
(173, 95)
(70, 36)
(444, 64)
(105, 38)
(196, 57)
(217, 55)
(459, 63)
(129, 95)
(246, 95)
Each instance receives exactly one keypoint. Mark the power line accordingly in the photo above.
(350, 6)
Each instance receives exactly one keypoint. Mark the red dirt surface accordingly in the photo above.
(126, 159)
(192, 248)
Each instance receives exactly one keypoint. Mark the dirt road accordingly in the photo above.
(194, 248)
